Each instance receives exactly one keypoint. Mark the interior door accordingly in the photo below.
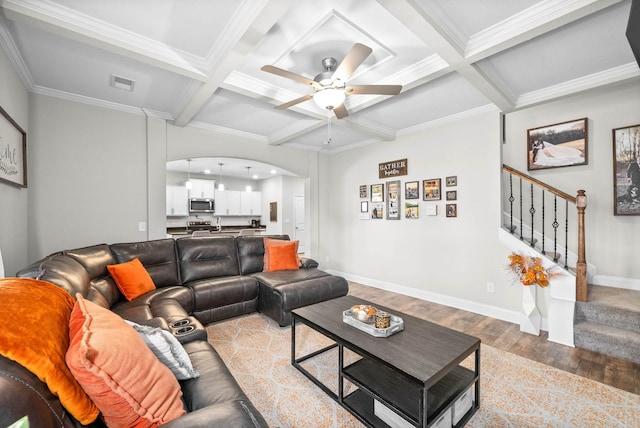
(298, 221)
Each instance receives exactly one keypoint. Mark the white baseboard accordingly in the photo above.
(443, 299)
(617, 282)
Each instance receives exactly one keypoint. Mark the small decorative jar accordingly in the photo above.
(383, 319)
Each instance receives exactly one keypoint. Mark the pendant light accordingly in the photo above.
(188, 183)
(220, 185)
(248, 188)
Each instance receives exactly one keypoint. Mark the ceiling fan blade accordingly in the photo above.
(373, 89)
(289, 75)
(294, 102)
(352, 61)
(341, 111)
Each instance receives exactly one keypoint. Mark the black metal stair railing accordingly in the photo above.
(544, 210)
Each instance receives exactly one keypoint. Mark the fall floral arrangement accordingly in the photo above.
(529, 270)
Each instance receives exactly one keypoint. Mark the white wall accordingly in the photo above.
(430, 257)
(14, 206)
(606, 109)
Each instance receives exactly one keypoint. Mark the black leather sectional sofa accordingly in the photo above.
(198, 281)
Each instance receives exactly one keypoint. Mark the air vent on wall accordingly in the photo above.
(122, 83)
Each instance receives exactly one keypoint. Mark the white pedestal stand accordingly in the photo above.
(530, 318)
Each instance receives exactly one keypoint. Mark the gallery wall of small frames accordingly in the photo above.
(394, 200)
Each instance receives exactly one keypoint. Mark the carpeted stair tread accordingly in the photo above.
(614, 307)
(617, 342)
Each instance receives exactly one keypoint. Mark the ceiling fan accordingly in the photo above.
(331, 86)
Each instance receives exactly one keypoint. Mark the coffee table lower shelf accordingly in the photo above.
(376, 381)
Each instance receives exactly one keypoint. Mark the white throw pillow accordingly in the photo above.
(167, 349)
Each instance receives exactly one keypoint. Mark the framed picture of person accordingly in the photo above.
(411, 210)
(452, 210)
(431, 189)
(626, 170)
(377, 211)
(557, 145)
(412, 190)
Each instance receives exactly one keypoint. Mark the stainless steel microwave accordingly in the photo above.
(201, 205)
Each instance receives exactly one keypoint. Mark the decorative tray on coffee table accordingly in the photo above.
(396, 324)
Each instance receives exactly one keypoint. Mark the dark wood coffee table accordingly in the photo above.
(416, 372)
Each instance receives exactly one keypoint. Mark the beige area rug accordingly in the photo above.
(514, 391)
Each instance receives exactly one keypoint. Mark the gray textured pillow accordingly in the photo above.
(167, 349)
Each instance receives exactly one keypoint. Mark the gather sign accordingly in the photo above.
(392, 169)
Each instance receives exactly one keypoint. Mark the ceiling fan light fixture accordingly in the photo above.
(329, 98)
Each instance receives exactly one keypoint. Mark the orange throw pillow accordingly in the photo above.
(280, 255)
(268, 242)
(130, 386)
(39, 338)
(132, 278)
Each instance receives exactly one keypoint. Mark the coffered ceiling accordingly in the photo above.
(197, 62)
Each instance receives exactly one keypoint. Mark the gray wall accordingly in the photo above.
(14, 206)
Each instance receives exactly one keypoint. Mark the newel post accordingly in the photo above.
(581, 265)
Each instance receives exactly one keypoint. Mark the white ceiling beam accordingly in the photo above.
(262, 18)
(62, 21)
(437, 37)
(537, 20)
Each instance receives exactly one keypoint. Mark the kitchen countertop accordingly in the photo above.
(226, 230)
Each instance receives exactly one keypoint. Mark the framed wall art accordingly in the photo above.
(452, 195)
(377, 193)
(377, 211)
(557, 145)
(431, 189)
(363, 191)
(412, 190)
(626, 170)
(13, 151)
(452, 210)
(410, 210)
(452, 180)
(364, 207)
(393, 200)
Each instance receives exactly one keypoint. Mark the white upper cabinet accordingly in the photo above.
(234, 202)
(177, 201)
(251, 203)
(204, 189)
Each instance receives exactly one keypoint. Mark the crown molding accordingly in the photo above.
(8, 45)
(540, 18)
(40, 90)
(581, 84)
(65, 22)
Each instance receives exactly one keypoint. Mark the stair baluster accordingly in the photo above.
(543, 252)
(555, 226)
(566, 233)
(532, 211)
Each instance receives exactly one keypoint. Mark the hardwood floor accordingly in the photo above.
(506, 336)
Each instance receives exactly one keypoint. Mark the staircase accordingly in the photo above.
(609, 322)
(605, 319)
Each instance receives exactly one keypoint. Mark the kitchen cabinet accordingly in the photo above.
(204, 189)
(227, 202)
(177, 201)
(251, 203)
(235, 202)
